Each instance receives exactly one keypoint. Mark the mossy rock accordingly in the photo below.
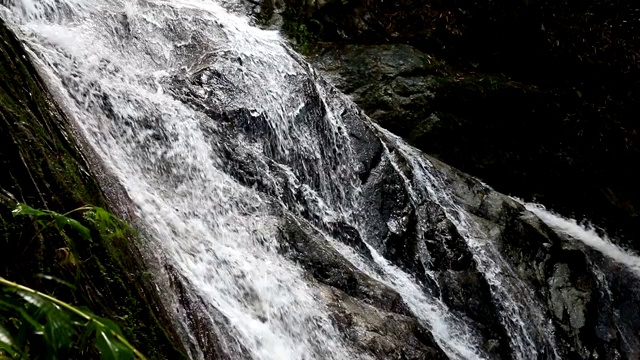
(43, 167)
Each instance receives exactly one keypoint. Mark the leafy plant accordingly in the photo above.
(46, 219)
(56, 324)
(41, 326)
(105, 222)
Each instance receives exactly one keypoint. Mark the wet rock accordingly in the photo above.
(579, 294)
(351, 237)
(413, 229)
(368, 313)
(208, 326)
(301, 242)
(393, 84)
(384, 335)
(386, 204)
(416, 235)
(513, 68)
(566, 300)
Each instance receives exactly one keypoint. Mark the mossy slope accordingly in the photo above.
(41, 166)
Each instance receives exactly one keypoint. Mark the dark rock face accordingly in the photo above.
(508, 133)
(384, 335)
(576, 284)
(368, 313)
(565, 276)
(327, 266)
(436, 252)
(393, 84)
(537, 99)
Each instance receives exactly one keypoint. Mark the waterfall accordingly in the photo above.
(121, 65)
(147, 81)
(223, 138)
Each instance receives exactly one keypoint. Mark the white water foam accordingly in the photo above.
(112, 59)
(588, 236)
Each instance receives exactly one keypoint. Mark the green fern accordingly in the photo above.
(61, 221)
(37, 325)
(57, 324)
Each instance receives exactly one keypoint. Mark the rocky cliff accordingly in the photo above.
(539, 99)
(522, 289)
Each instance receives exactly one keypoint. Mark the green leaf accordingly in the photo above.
(24, 209)
(7, 344)
(5, 337)
(32, 298)
(106, 222)
(58, 329)
(89, 329)
(86, 311)
(20, 309)
(63, 221)
(110, 347)
(110, 325)
(60, 220)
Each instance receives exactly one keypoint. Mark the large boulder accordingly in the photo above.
(513, 281)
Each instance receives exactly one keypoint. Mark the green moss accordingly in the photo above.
(302, 30)
(42, 167)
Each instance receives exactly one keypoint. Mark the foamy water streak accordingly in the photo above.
(453, 335)
(531, 336)
(588, 236)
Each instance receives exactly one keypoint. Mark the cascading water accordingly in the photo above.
(123, 68)
(612, 256)
(219, 131)
(588, 236)
(530, 335)
(117, 61)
